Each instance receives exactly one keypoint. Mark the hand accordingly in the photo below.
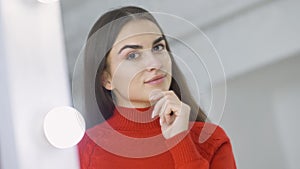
(174, 114)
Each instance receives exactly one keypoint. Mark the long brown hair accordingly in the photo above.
(101, 39)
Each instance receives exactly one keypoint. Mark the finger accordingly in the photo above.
(170, 107)
(161, 121)
(157, 107)
(160, 106)
(162, 112)
(155, 94)
(184, 110)
(155, 98)
(167, 112)
(170, 93)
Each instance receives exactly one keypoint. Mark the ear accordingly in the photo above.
(106, 80)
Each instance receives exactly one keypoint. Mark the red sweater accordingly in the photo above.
(131, 139)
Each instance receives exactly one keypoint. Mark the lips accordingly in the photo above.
(156, 79)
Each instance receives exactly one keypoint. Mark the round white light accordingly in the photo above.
(64, 127)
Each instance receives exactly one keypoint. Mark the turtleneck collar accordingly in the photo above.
(133, 119)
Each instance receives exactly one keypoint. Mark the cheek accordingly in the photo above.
(167, 64)
(125, 75)
(128, 84)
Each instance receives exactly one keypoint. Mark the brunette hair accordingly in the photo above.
(99, 43)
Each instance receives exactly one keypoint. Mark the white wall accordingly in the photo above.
(261, 116)
(286, 108)
(7, 138)
(33, 80)
(252, 38)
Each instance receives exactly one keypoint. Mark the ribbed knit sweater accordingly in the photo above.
(132, 139)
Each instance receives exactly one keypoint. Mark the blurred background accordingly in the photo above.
(258, 42)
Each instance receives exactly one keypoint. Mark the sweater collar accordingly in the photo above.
(133, 119)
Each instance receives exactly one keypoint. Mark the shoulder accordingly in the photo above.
(92, 134)
(208, 137)
(208, 131)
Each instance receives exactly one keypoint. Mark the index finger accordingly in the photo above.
(156, 95)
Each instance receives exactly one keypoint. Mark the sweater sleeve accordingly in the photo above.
(185, 153)
(217, 148)
(189, 153)
(223, 157)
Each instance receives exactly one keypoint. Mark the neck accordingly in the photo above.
(123, 101)
(133, 104)
(125, 118)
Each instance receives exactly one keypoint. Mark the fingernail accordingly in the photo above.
(153, 94)
(154, 97)
(152, 115)
(151, 98)
(160, 121)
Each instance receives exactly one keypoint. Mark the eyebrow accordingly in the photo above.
(139, 46)
(158, 40)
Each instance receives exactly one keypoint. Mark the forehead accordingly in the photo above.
(137, 29)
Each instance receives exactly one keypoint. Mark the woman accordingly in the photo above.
(148, 111)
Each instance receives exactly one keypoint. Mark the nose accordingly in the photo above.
(153, 62)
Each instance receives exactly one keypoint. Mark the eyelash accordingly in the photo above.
(132, 55)
(159, 50)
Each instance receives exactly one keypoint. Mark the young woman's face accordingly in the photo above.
(137, 64)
